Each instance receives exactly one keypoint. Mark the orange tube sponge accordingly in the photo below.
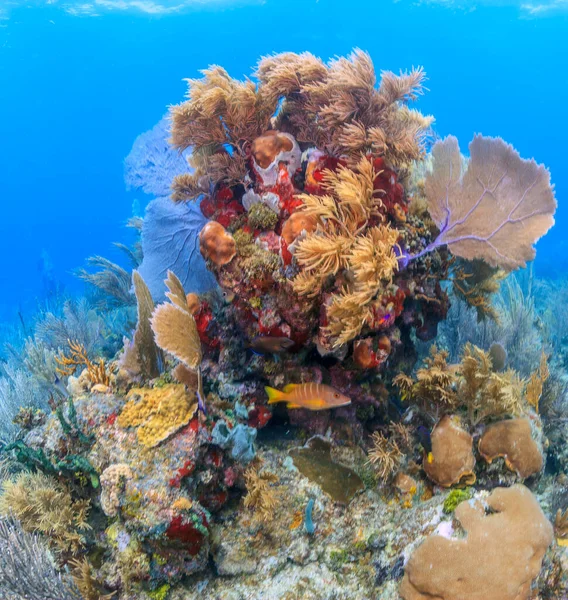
(451, 460)
(497, 560)
(217, 244)
(512, 440)
(298, 222)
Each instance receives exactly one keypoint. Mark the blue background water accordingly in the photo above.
(76, 89)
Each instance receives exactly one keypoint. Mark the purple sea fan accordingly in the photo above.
(152, 163)
(496, 209)
(170, 241)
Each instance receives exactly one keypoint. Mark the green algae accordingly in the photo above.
(454, 498)
(262, 217)
(314, 462)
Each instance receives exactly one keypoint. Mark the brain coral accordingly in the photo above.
(497, 560)
(452, 457)
(512, 439)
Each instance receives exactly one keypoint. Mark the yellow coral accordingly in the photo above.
(536, 383)
(182, 504)
(343, 242)
(157, 412)
(336, 107)
(77, 357)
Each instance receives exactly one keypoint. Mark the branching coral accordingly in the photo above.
(86, 582)
(335, 107)
(77, 357)
(475, 282)
(338, 107)
(42, 505)
(78, 321)
(435, 384)
(111, 279)
(220, 111)
(260, 497)
(472, 384)
(483, 391)
(536, 383)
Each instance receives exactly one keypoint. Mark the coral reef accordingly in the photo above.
(312, 244)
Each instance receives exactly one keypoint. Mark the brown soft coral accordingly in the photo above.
(451, 460)
(513, 441)
(45, 506)
(497, 560)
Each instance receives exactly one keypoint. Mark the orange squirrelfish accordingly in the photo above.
(313, 396)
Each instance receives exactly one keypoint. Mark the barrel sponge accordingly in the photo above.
(497, 559)
(513, 441)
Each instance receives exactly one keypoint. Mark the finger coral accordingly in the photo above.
(498, 558)
(77, 357)
(497, 209)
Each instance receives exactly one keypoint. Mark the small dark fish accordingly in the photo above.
(60, 387)
(265, 344)
(425, 441)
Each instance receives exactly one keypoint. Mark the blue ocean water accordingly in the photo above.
(80, 80)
